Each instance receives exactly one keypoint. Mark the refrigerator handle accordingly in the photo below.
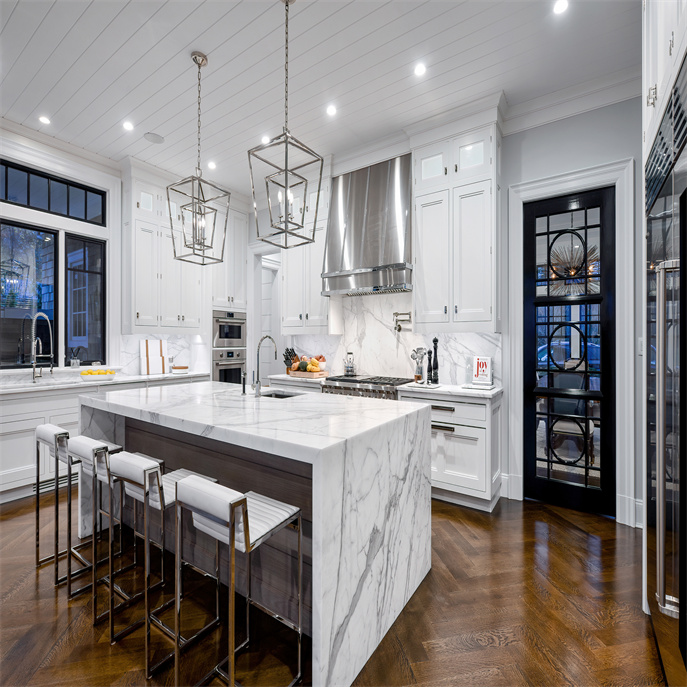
(666, 603)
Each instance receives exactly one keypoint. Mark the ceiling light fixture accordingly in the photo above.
(331, 110)
(128, 126)
(44, 120)
(287, 166)
(420, 69)
(199, 201)
(265, 139)
(560, 6)
(212, 165)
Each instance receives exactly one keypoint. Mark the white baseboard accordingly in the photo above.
(639, 513)
(512, 487)
(469, 501)
(18, 493)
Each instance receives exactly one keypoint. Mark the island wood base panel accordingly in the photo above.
(274, 563)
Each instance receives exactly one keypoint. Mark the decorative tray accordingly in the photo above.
(309, 375)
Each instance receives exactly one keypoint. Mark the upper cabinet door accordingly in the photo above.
(190, 294)
(236, 256)
(146, 274)
(293, 266)
(170, 282)
(431, 166)
(316, 305)
(472, 252)
(472, 155)
(432, 258)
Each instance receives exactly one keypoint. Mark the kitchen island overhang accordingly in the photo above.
(369, 491)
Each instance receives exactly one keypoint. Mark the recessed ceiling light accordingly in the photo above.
(153, 138)
(128, 126)
(265, 140)
(420, 69)
(44, 120)
(212, 165)
(331, 110)
(560, 6)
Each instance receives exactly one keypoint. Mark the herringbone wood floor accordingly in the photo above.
(529, 595)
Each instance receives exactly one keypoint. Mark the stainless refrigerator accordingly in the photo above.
(666, 523)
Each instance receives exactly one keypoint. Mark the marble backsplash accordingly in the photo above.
(188, 350)
(380, 350)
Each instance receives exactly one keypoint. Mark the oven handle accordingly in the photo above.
(228, 320)
(226, 363)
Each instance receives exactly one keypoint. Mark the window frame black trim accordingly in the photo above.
(56, 292)
(8, 164)
(103, 274)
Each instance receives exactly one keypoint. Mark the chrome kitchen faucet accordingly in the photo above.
(256, 385)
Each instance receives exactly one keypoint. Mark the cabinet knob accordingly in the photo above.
(137, 315)
(183, 317)
(300, 316)
(306, 316)
(178, 317)
(455, 309)
(456, 166)
(445, 171)
(445, 309)
(228, 299)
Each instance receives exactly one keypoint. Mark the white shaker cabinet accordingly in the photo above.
(466, 444)
(229, 278)
(146, 275)
(456, 197)
(432, 263)
(304, 309)
(473, 267)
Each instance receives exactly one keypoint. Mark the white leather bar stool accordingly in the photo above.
(56, 439)
(243, 522)
(144, 482)
(94, 455)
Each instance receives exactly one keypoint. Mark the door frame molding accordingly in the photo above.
(621, 175)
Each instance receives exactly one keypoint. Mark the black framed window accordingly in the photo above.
(31, 188)
(85, 299)
(28, 284)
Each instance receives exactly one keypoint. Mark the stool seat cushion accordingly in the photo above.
(264, 514)
(84, 449)
(134, 467)
(47, 433)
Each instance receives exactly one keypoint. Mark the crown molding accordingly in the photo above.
(569, 102)
(45, 144)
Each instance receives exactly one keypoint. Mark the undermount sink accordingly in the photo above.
(278, 393)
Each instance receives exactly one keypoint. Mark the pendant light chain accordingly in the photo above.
(286, 67)
(198, 163)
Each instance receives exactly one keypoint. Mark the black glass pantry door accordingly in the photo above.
(569, 350)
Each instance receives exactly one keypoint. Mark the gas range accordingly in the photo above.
(361, 385)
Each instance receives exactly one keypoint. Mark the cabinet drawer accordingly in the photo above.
(458, 411)
(459, 457)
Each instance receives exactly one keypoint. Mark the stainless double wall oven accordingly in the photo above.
(228, 346)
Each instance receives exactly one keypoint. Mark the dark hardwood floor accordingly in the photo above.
(529, 595)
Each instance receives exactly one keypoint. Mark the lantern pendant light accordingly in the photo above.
(198, 209)
(289, 168)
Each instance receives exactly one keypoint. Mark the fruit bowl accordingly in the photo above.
(97, 376)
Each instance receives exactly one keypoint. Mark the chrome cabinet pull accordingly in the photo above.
(668, 605)
(444, 428)
(448, 409)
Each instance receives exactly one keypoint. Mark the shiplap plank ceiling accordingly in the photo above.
(90, 65)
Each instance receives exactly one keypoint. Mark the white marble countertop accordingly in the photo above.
(20, 381)
(451, 390)
(299, 427)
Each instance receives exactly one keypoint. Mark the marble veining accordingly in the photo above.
(369, 334)
(371, 495)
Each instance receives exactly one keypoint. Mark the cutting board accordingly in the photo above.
(309, 375)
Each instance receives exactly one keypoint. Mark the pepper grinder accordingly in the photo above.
(435, 364)
(429, 366)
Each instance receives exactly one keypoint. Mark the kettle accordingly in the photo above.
(349, 365)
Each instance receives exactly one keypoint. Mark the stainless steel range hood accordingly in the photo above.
(368, 244)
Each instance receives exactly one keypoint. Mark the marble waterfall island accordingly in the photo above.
(359, 468)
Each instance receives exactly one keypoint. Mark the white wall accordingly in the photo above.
(601, 136)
